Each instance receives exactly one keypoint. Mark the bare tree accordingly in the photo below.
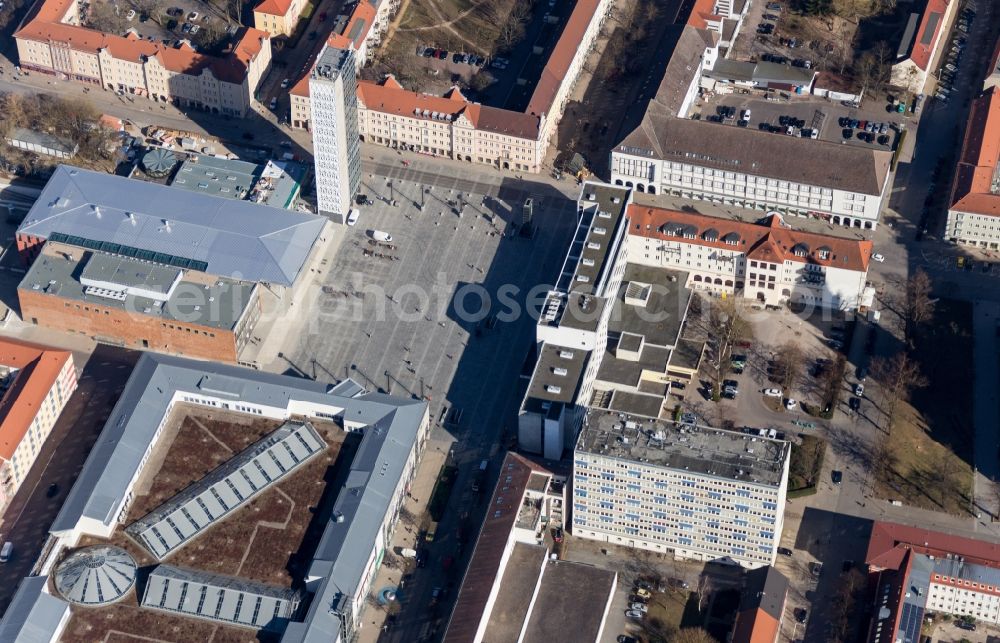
(843, 603)
(919, 304)
(789, 363)
(692, 635)
(725, 325)
(705, 589)
(897, 376)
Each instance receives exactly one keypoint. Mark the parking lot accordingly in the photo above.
(200, 22)
(809, 118)
(485, 60)
(951, 69)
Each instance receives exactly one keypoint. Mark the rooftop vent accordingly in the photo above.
(555, 390)
(566, 354)
(560, 371)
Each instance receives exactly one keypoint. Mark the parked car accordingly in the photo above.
(816, 568)
(193, 16)
(836, 476)
(879, 257)
(791, 404)
(285, 82)
(636, 614)
(639, 607)
(784, 551)
(772, 392)
(624, 638)
(130, 16)
(801, 614)
(642, 592)
(968, 626)
(859, 389)
(352, 217)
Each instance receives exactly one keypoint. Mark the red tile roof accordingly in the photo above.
(923, 44)
(44, 25)
(889, 542)
(772, 242)
(562, 55)
(385, 97)
(701, 13)
(980, 158)
(274, 7)
(39, 368)
(890, 550)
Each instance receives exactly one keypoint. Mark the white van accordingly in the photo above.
(8, 549)
(378, 235)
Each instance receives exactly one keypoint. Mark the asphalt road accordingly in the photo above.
(27, 520)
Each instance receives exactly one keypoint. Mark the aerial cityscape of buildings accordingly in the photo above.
(559, 321)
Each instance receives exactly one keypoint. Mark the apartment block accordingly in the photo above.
(35, 384)
(333, 88)
(700, 493)
(974, 214)
(53, 41)
(764, 261)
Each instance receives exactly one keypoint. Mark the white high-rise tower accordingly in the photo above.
(336, 146)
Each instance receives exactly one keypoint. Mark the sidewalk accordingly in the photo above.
(404, 536)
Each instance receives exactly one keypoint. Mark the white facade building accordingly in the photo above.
(573, 325)
(766, 262)
(974, 214)
(333, 88)
(756, 170)
(701, 493)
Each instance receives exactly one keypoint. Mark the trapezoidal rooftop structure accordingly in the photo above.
(223, 491)
(97, 575)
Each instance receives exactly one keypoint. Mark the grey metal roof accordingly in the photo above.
(236, 239)
(220, 598)
(43, 139)
(33, 616)
(195, 299)
(224, 178)
(227, 488)
(391, 428)
(97, 575)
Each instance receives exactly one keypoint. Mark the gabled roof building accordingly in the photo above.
(35, 384)
(668, 153)
(52, 40)
(974, 213)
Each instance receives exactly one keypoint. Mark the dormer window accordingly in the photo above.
(823, 253)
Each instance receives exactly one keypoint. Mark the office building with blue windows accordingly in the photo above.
(696, 492)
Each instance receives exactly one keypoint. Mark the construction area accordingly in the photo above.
(269, 539)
